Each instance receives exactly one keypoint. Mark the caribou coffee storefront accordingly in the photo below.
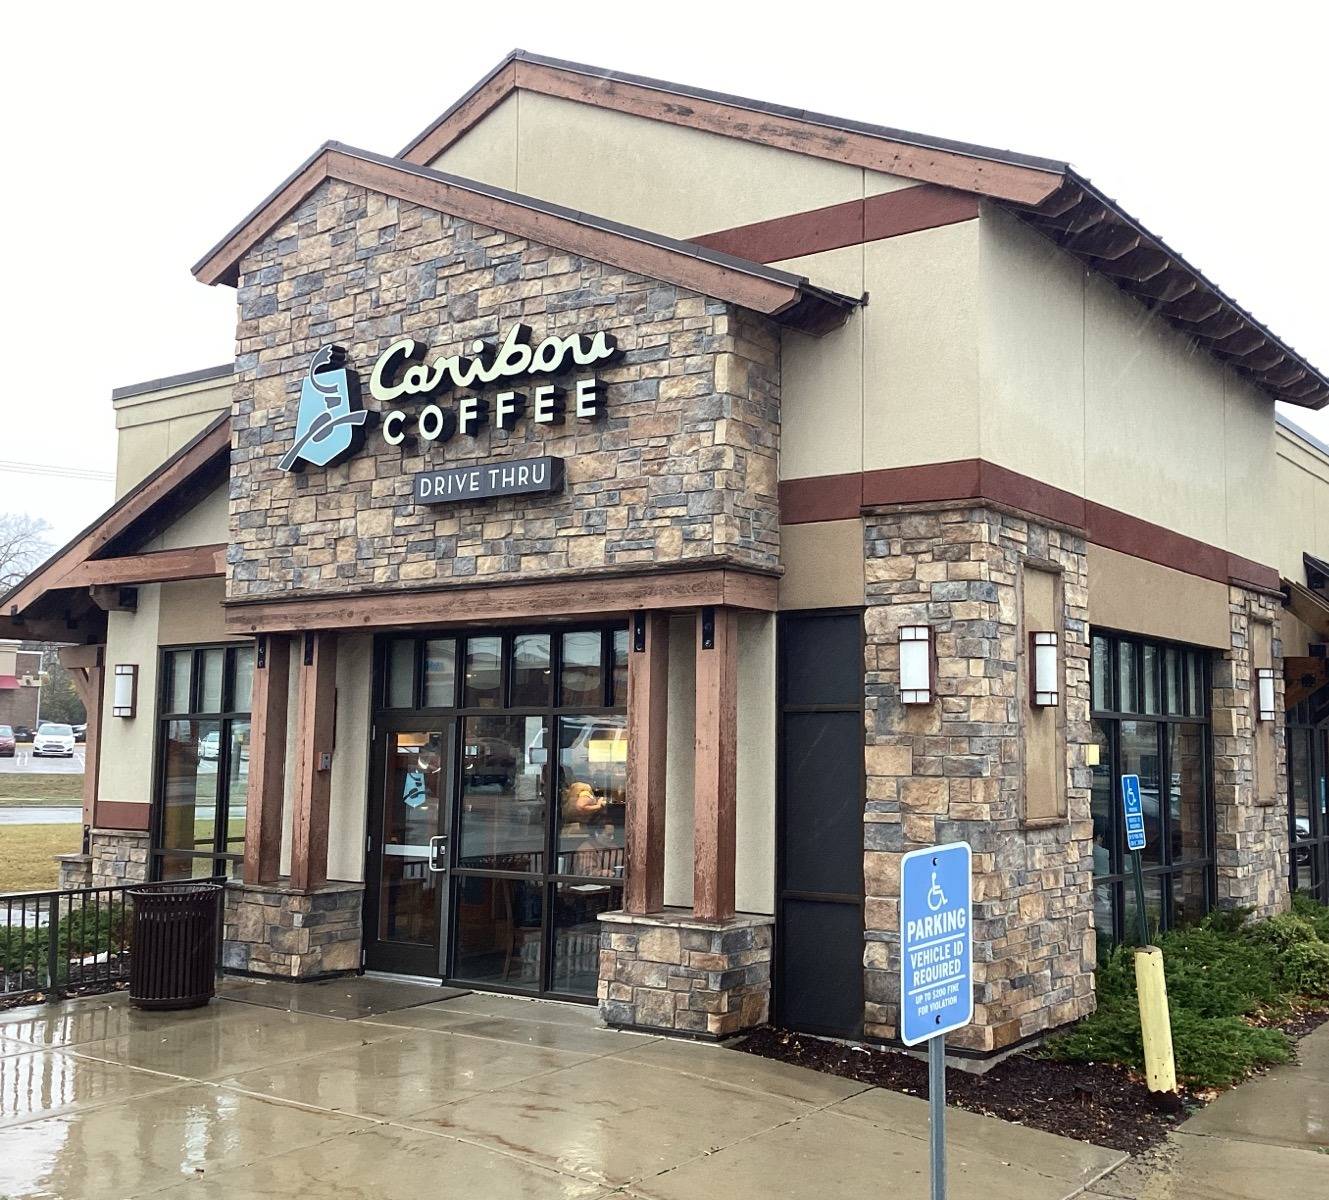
(589, 582)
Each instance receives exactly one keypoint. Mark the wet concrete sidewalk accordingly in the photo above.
(477, 1096)
(1265, 1140)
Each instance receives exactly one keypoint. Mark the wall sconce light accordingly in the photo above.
(1264, 697)
(124, 699)
(1044, 674)
(917, 684)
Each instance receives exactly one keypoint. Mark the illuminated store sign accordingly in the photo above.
(329, 424)
(401, 372)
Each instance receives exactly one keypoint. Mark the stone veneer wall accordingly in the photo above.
(1251, 838)
(681, 471)
(672, 972)
(271, 930)
(119, 856)
(951, 771)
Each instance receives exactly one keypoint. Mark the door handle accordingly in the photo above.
(438, 853)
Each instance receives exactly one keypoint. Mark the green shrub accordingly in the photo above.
(1305, 970)
(1228, 920)
(1314, 912)
(1215, 1052)
(1283, 932)
(1217, 974)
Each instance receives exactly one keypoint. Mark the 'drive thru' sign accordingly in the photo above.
(520, 477)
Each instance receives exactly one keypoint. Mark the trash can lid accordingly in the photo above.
(175, 889)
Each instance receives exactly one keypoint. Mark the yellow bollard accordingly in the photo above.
(1155, 1023)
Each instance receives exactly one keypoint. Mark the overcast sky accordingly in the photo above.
(138, 134)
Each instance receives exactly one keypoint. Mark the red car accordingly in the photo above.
(7, 742)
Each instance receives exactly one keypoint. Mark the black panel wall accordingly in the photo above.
(819, 903)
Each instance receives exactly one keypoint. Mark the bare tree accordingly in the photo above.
(22, 547)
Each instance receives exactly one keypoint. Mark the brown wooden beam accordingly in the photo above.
(87, 672)
(1302, 677)
(114, 599)
(648, 724)
(267, 759)
(715, 779)
(313, 760)
(156, 566)
(586, 595)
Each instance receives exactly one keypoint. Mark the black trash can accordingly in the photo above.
(173, 956)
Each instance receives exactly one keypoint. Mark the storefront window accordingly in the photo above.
(203, 771)
(1151, 719)
(1308, 795)
(539, 741)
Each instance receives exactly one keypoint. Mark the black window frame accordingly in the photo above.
(1308, 856)
(224, 862)
(1119, 878)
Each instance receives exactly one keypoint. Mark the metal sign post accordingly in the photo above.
(936, 969)
(1134, 809)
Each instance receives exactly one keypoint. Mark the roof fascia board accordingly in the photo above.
(163, 483)
(766, 290)
(989, 172)
(968, 168)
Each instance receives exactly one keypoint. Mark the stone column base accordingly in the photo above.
(75, 871)
(119, 856)
(272, 929)
(672, 973)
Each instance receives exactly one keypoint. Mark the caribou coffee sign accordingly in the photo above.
(402, 372)
(330, 423)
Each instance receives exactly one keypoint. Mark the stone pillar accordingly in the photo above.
(1250, 798)
(952, 770)
(75, 871)
(119, 856)
(673, 973)
(271, 929)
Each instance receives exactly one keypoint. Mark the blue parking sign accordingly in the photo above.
(1134, 809)
(936, 941)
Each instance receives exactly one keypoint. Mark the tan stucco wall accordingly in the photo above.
(191, 613)
(1084, 389)
(823, 565)
(754, 876)
(350, 762)
(1135, 596)
(1302, 503)
(203, 525)
(671, 180)
(127, 742)
(153, 426)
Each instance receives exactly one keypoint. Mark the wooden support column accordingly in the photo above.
(87, 672)
(648, 701)
(715, 783)
(313, 760)
(267, 758)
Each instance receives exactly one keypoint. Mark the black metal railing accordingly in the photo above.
(68, 942)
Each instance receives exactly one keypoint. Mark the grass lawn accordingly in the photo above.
(38, 789)
(25, 854)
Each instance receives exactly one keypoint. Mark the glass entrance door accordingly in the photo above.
(408, 849)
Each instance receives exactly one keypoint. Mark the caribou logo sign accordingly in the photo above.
(329, 424)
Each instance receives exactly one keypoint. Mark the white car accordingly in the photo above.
(53, 741)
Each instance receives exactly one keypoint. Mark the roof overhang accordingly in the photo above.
(1047, 194)
(786, 298)
(65, 599)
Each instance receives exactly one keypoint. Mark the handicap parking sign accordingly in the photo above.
(936, 941)
(1134, 809)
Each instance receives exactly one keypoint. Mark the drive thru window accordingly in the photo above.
(496, 820)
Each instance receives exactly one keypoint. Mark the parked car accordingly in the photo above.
(8, 743)
(209, 745)
(22, 733)
(53, 741)
(80, 734)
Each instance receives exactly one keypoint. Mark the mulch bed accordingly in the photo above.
(1092, 1102)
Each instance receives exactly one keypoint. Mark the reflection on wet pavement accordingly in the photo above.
(490, 1096)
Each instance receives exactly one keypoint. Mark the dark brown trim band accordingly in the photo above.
(123, 814)
(908, 210)
(840, 497)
